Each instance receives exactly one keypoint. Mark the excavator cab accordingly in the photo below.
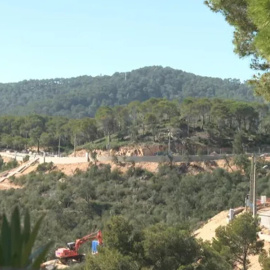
(71, 245)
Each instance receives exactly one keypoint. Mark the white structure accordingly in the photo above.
(231, 214)
(264, 218)
(263, 199)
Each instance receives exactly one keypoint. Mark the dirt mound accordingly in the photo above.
(70, 169)
(53, 264)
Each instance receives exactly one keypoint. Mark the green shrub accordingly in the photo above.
(11, 164)
(26, 158)
(115, 159)
(44, 167)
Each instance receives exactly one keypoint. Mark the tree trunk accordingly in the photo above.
(202, 122)
(245, 261)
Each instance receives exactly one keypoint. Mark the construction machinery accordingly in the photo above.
(67, 255)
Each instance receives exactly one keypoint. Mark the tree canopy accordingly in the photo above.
(250, 19)
(156, 247)
(238, 240)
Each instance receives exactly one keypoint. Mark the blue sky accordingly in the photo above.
(69, 38)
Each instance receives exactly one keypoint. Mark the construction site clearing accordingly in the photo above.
(206, 232)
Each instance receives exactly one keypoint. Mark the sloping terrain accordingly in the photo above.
(207, 232)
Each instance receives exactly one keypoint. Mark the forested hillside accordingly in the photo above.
(76, 205)
(82, 96)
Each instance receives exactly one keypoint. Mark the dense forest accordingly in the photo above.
(82, 96)
(195, 126)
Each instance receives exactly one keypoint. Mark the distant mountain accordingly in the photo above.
(81, 96)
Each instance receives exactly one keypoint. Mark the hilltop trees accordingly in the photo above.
(35, 126)
(238, 144)
(81, 97)
(193, 125)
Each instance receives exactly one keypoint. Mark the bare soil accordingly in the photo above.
(207, 231)
(53, 264)
(8, 185)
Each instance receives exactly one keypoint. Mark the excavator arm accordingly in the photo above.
(92, 236)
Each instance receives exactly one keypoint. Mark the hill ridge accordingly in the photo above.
(81, 96)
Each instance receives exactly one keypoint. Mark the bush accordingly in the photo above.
(26, 158)
(45, 167)
(11, 164)
(115, 159)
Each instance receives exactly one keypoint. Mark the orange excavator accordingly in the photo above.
(67, 255)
